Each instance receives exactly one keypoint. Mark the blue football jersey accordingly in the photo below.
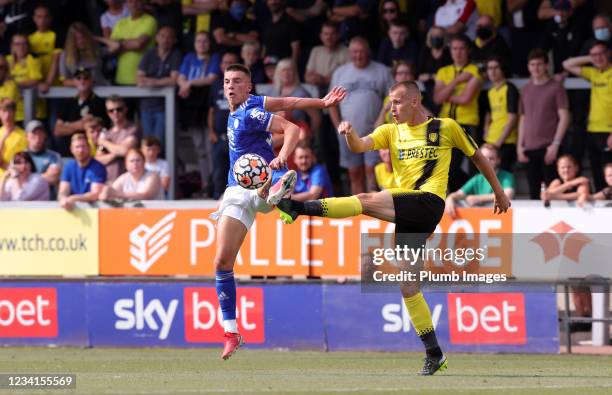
(248, 133)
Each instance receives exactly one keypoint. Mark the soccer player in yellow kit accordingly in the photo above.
(421, 154)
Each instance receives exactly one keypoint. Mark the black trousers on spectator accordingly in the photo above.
(508, 157)
(220, 168)
(538, 171)
(597, 144)
(456, 175)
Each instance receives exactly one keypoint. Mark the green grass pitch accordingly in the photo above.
(194, 371)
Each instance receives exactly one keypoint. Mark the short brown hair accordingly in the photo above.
(537, 53)
(239, 67)
(490, 147)
(151, 141)
(7, 104)
(115, 99)
(134, 151)
(95, 121)
(303, 144)
(410, 86)
(78, 136)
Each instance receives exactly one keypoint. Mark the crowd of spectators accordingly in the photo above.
(462, 52)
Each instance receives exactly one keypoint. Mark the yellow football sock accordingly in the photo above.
(341, 207)
(419, 314)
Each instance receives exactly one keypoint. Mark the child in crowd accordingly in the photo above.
(151, 148)
(569, 186)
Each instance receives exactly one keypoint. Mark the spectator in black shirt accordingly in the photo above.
(232, 28)
(398, 45)
(76, 112)
(218, 112)
(434, 54)
(251, 58)
(280, 35)
(488, 43)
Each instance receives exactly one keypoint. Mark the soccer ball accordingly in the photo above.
(251, 171)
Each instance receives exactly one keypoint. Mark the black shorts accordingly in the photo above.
(416, 211)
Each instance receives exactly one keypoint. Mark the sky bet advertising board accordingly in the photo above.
(313, 316)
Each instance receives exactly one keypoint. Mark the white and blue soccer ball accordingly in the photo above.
(251, 171)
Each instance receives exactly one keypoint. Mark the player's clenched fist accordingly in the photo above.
(345, 128)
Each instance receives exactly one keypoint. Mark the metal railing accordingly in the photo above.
(168, 94)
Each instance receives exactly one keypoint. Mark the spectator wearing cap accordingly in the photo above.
(123, 135)
(77, 111)
(83, 177)
(158, 68)
(46, 162)
(130, 38)
(12, 137)
(21, 182)
(597, 69)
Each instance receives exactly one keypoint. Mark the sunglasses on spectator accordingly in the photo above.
(113, 110)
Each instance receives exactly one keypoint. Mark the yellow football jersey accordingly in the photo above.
(421, 154)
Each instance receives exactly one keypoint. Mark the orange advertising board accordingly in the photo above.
(153, 242)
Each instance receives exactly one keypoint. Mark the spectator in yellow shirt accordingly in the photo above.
(26, 71)
(599, 136)
(457, 88)
(43, 45)
(501, 119)
(130, 38)
(384, 171)
(8, 87)
(12, 137)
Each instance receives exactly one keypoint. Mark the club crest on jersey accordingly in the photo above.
(433, 137)
(258, 114)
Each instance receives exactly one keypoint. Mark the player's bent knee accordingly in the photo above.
(410, 288)
(223, 264)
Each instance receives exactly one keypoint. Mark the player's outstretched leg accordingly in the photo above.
(420, 316)
(230, 234)
(283, 187)
(330, 207)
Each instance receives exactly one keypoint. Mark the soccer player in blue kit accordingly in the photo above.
(249, 130)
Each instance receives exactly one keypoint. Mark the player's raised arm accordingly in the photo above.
(291, 137)
(356, 144)
(502, 203)
(335, 96)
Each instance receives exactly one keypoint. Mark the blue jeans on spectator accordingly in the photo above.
(153, 123)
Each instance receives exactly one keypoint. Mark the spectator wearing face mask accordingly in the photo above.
(488, 43)
(433, 56)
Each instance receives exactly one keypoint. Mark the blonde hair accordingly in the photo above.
(282, 64)
(90, 54)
